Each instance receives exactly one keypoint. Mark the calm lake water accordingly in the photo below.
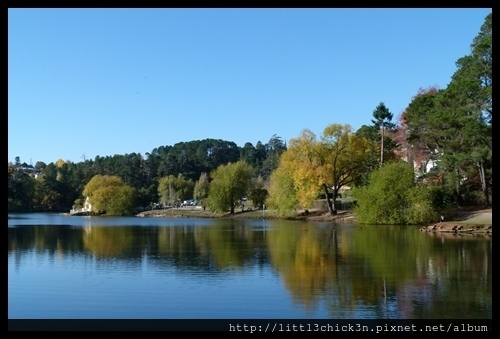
(62, 267)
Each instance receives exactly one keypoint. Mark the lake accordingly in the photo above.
(69, 267)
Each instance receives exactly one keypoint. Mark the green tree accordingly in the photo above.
(455, 123)
(383, 122)
(283, 196)
(146, 195)
(20, 190)
(471, 88)
(40, 165)
(372, 135)
(260, 157)
(329, 164)
(274, 148)
(482, 54)
(229, 183)
(343, 157)
(247, 153)
(258, 193)
(109, 194)
(392, 197)
(201, 189)
(172, 189)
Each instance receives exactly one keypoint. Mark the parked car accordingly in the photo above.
(187, 202)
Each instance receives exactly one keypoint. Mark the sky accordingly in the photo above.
(87, 82)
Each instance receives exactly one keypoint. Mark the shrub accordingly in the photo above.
(392, 197)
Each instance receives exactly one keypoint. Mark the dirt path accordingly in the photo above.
(484, 215)
(476, 221)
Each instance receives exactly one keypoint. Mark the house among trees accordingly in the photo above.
(86, 209)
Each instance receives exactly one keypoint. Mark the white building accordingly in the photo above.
(87, 207)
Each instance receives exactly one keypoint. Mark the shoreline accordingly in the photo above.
(343, 216)
(461, 221)
(453, 227)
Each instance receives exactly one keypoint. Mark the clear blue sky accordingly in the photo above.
(100, 82)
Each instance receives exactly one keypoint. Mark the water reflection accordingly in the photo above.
(335, 271)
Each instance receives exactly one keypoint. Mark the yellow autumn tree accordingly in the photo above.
(302, 157)
(296, 181)
(60, 162)
(343, 157)
(310, 166)
(282, 193)
(110, 194)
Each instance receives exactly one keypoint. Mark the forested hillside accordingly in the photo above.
(57, 186)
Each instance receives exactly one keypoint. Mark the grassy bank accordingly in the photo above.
(198, 212)
(320, 215)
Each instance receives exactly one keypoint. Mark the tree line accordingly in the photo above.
(60, 185)
(437, 154)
